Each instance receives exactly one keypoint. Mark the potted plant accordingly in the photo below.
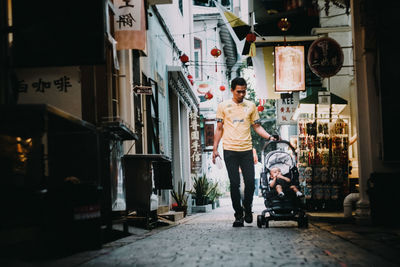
(213, 194)
(180, 198)
(202, 190)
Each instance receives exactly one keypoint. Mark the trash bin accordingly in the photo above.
(384, 198)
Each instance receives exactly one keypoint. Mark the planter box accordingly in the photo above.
(202, 208)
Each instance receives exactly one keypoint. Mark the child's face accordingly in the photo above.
(274, 172)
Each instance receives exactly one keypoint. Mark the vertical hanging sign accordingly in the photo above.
(195, 143)
(130, 24)
(289, 69)
(285, 109)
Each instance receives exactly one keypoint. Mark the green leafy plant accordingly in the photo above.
(213, 192)
(180, 196)
(201, 190)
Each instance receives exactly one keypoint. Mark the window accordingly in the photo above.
(201, 3)
(198, 72)
(225, 3)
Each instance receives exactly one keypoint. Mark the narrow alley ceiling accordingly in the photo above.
(268, 13)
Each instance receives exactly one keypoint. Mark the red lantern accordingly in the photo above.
(215, 52)
(208, 96)
(251, 37)
(222, 88)
(190, 77)
(284, 24)
(260, 108)
(184, 58)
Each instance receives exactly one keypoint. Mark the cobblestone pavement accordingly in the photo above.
(210, 240)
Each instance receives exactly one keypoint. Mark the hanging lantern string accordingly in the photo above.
(204, 30)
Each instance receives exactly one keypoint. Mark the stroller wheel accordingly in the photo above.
(260, 220)
(302, 222)
(266, 222)
(305, 222)
(299, 222)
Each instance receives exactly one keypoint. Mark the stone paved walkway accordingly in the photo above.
(210, 240)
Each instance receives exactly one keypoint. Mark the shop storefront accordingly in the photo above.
(50, 186)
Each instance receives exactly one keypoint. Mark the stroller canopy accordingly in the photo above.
(280, 159)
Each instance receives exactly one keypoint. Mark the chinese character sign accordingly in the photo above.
(129, 24)
(59, 87)
(127, 15)
(325, 57)
(286, 108)
(195, 142)
(289, 69)
(209, 134)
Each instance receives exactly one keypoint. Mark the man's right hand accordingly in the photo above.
(214, 156)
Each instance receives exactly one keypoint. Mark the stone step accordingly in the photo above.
(172, 215)
(162, 209)
(203, 208)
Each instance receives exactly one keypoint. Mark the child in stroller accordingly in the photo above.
(281, 183)
(287, 206)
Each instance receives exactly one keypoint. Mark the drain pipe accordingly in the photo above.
(348, 202)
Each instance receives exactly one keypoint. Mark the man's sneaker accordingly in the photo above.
(248, 217)
(238, 222)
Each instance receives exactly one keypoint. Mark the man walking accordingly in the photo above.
(234, 118)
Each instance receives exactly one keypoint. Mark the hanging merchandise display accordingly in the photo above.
(323, 143)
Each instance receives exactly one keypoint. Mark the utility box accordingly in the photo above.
(144, 174)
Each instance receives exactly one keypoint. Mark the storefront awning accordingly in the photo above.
(119, 129)
(307, 105)
(32, 119)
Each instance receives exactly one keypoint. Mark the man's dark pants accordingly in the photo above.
(244, 160)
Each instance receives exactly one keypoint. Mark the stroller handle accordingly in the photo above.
(277, 142)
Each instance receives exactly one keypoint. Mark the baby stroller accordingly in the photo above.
(290, 207)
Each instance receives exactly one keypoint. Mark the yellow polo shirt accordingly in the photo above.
(237, 119)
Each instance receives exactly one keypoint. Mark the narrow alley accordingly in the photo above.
(208, 239)
(136, 132)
